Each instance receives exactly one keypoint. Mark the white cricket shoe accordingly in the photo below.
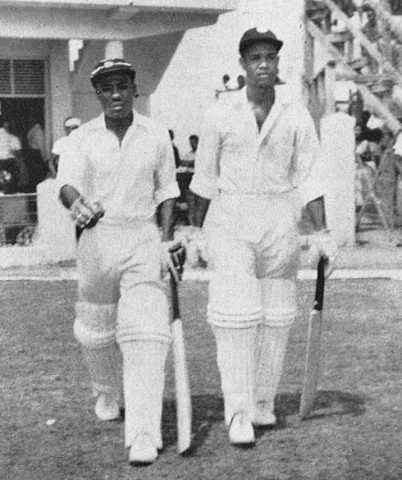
(107, 408)
(241, 431)
(264, 418)
(143, 450)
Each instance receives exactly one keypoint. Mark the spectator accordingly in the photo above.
(70, 124)
(241, 82)
(370, 28)
(187, 171)
(35, 157)
(225, 81)
(11, 160)
(225, 86)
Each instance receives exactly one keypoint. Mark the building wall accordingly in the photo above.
(205, 54)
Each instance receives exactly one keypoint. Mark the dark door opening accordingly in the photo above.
(22, 114)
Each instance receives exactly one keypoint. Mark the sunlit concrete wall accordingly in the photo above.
(205, 54)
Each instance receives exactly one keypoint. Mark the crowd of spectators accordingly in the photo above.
(378, 156)
(228, 87)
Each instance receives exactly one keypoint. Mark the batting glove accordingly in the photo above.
(196, 245)
(86, 213)
(172, 258)
(322, 244)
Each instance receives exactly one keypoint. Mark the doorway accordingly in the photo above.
(22, 114)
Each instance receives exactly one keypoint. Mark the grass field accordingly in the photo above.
(355, 432)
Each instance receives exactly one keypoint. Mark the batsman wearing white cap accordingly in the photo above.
(118, 168)
(257, 164)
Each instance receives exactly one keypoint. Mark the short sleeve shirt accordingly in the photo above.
(129, 179)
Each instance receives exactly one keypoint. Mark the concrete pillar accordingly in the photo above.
(338, 147)
(114, 49)
(60, 87)
(56, 230)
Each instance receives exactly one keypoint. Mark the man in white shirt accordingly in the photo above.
(257, 165)
(70, 124)
(11, 159)
(117, 169)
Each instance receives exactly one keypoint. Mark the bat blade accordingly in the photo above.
(181, 377)
(312, 366)
(313, 350)
(182, 384)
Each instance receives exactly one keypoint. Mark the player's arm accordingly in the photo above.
(86, 212)
(166, 188)
(167, 219)
(311, 191)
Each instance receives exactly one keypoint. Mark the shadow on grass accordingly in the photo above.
(208, 410)
(327, 404)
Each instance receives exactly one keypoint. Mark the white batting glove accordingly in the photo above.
(86, 213)
(196, 246)
(322, 244)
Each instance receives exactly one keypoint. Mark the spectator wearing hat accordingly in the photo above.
(116, 170)
(70, 124)
(257, 164)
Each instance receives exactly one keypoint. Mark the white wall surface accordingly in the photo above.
(205, 54)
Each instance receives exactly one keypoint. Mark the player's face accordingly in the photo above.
(116, 93)
(260, 62)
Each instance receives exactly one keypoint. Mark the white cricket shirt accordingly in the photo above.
(233, 157)
(130, 179)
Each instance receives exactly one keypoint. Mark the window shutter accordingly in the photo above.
(5, 79)
(29, 77)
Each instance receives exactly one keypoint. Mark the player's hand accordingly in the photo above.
(322, 244)
(172, 257)
(86, 213)
(196, 246)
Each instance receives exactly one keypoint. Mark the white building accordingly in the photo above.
(180, 49)
(35, 80)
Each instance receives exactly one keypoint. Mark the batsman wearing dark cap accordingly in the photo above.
(257, 164)
(118, 168)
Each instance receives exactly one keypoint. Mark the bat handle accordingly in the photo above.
(175, 297)
(320, 284)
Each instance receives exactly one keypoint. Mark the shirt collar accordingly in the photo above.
(281, 100)
(138, 121)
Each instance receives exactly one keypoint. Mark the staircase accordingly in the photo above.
(333, 58)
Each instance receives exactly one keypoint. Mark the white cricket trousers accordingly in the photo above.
(254, 248)
(123, 302)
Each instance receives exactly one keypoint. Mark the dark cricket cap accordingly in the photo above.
(112, 65)
(253, 36)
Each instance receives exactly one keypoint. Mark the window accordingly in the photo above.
(22, 77)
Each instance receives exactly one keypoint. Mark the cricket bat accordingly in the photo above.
(182, 383)
(313, 350)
